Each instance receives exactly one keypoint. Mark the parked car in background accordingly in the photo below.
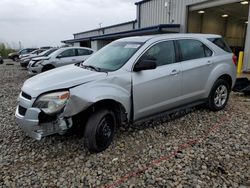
(1, 60)
(15, 55)
(61, 57)
(128, 81)
(33, 53)
(46, 47)
(25, 60)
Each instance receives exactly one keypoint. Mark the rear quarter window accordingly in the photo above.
(221, 43)
(193, 49)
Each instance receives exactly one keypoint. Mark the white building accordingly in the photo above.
(228, 18)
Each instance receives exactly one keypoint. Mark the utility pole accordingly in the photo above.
(168, 5)
(20, 45)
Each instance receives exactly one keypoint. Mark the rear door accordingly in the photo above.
(67, 57)
(197, 63)
(157, 90)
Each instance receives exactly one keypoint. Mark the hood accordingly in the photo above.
(24, 55)
(13, 53)
(38, 58)
(60, 78)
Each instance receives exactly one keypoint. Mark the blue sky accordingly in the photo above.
(46, 22)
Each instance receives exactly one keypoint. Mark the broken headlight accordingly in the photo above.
(52, 103)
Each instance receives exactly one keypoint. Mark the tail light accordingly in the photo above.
(235, 59)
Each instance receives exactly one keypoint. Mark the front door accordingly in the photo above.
(67, 57)
(157, 90)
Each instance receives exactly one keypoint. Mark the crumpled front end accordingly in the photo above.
(35, 122)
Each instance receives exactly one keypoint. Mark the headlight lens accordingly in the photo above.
(52, 103)
(37, 63)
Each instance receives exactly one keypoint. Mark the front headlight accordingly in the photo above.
(37, 63)
(52, 103)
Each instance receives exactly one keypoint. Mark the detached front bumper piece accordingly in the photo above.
(30, 122)
(35, 122)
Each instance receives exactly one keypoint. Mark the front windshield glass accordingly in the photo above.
(113, 56)
(48, 52)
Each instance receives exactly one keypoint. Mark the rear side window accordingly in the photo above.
(82, 52)
(163, 53)
(221, 43)
(193, 49)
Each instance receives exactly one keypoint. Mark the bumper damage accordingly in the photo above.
(31, 124)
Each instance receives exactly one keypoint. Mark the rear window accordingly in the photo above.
(221, 43)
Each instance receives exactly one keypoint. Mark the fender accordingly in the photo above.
(112, 88)
(217, 72)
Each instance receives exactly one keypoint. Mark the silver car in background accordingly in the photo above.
(60, 57)
(24, 62)
(128, 81)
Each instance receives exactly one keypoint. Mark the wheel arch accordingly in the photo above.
(120, 112)
(227, 78)
(48, 66)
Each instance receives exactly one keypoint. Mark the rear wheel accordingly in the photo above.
(47, 68)
(99, 130)
(219, 95)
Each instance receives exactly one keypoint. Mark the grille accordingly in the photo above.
(26, 96)
(22, 110)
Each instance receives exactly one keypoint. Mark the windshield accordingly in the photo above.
(113, 56)
(48, 52)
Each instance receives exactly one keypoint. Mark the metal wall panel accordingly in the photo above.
(87, 34)
(107, 30)
(154, 12)
(121, 28)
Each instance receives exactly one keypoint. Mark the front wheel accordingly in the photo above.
(15, 58)
(99, 130)
(219, 95)
(47, 68)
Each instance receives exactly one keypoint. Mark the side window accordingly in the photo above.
(82, 52)
(163, 53)
(24, 51)
(193, 49)
(67, 53)
(220, 42)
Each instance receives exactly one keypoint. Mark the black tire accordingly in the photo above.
(219, 95)
(47, 68)
(99, 130)
(15, 58)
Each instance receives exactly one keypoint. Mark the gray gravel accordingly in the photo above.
(218, 159)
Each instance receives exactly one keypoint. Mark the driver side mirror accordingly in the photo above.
(146, 64)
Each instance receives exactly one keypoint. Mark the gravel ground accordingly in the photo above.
(216, 150)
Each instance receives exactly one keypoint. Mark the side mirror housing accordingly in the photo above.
(145, 65)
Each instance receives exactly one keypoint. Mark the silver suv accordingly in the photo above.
(129, 80)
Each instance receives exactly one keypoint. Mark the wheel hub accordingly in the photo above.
(220, 96)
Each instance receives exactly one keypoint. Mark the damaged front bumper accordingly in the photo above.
(37, 124)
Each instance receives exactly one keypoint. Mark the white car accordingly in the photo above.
(61, 57)
(24, 62)
(35, 52)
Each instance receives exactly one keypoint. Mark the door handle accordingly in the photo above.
(209, 62)
(174, 72)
